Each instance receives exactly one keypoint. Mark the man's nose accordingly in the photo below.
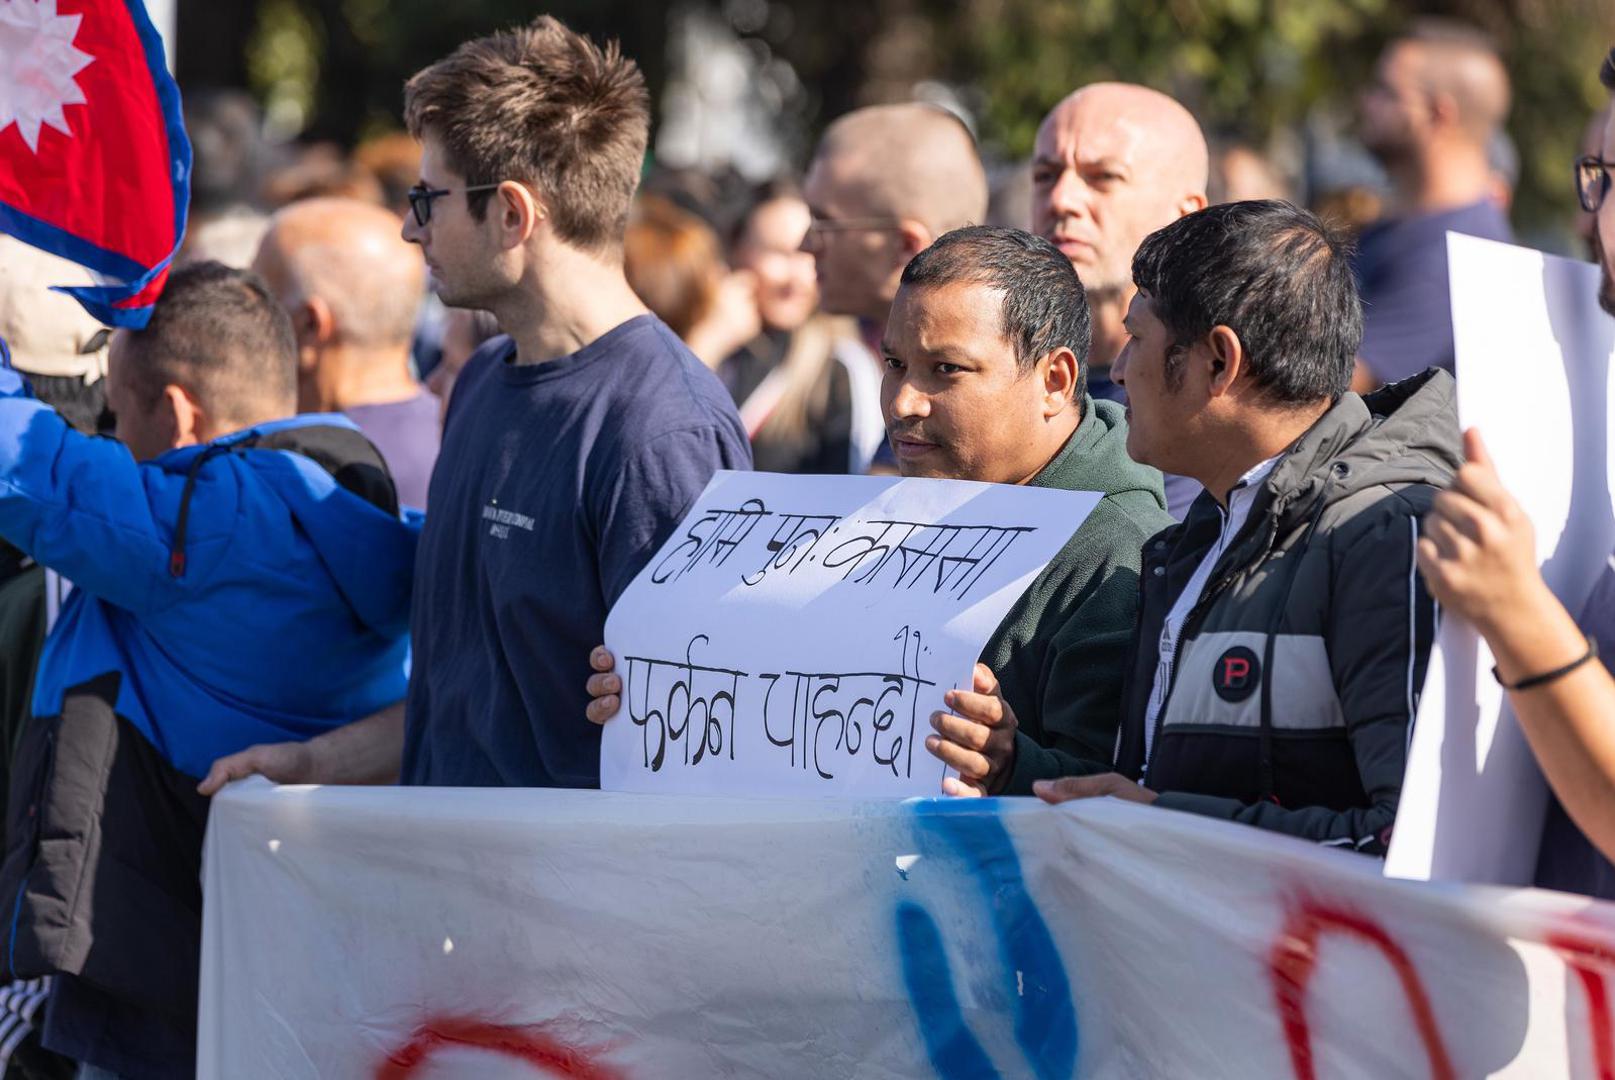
(907, 401)
(1069, 196)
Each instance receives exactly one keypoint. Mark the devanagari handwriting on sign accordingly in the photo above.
(840, 704)
(711, 540)
(792, 543)
(818, 717)
(667, 697)
(948, 559)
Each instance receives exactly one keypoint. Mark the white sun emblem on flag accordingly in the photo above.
(37, 65)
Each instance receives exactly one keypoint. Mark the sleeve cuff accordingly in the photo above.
(1204, 805)
(1034, 762)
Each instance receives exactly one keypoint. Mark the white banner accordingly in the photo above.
(1534, 358)
(400, 934)
(795, 633)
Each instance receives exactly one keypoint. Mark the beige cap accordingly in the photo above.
(48, 332)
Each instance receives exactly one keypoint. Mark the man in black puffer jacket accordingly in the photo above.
(1283, 628)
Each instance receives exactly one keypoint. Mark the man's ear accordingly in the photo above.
(316, 321)
(1226, 357)
(913, 237)
(1189, 204)
(1059, 370)
(1443, 109)
(181, 417)
(521, 212)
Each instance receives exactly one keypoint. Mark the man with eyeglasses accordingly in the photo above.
(885, 181)
(1593, 181)
(572, 446)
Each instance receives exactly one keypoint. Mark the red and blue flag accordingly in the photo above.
(94, 162)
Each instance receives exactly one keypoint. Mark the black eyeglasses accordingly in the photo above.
(421, 196)
(869, 224)
(1592, 182)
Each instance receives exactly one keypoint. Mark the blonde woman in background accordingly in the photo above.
(809, 403)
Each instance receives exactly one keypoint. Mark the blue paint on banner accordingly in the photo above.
(1045, 1015)
(954, 1052)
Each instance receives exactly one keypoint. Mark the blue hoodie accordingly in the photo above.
(290, 617)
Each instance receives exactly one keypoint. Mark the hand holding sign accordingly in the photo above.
(1478, 553)
(977, 739)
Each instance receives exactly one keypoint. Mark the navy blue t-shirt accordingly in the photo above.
(1402, 274)
(556, 483)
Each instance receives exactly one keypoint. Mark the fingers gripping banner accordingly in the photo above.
(391, 933)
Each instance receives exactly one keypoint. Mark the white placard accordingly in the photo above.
(795, 633)
(1533, 359)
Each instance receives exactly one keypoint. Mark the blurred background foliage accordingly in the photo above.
(1262, 71)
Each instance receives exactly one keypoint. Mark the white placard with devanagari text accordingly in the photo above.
(795, 633)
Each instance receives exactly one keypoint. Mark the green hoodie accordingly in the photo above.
(1060, 652)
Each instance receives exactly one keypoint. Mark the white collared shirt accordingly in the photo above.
(1240, 500)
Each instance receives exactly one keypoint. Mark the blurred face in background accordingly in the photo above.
(771, 248)
(857, 249)
(463, 332)
(1393, 111)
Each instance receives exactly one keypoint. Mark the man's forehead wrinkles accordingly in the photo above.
(1089, 141)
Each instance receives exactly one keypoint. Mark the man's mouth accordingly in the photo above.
(908, 446)
(1071, 248)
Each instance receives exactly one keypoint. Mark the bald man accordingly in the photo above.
(1113, 163)
(885, 182)
(352, 287)
(1439, 97)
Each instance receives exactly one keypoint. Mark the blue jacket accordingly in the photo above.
(288, 615)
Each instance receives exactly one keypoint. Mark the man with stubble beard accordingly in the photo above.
(1113, 163)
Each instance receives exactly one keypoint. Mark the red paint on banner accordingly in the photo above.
(1294, 959)
(530, 1044)
(1590, 960)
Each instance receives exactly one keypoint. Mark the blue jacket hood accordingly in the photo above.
(286, 616)
(368, 553)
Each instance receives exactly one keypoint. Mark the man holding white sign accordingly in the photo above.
(985, 355)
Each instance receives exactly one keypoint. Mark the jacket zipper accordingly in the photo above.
(1207, 598)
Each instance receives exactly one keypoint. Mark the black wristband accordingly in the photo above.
(1549, 676)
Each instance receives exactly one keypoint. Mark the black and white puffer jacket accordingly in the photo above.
(1298, 671)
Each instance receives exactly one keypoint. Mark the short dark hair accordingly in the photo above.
(1606, 74)
(1275, 275)
(545, 105)
(1045, 307)
(220, 333)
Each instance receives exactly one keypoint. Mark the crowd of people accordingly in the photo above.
(397, 437)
